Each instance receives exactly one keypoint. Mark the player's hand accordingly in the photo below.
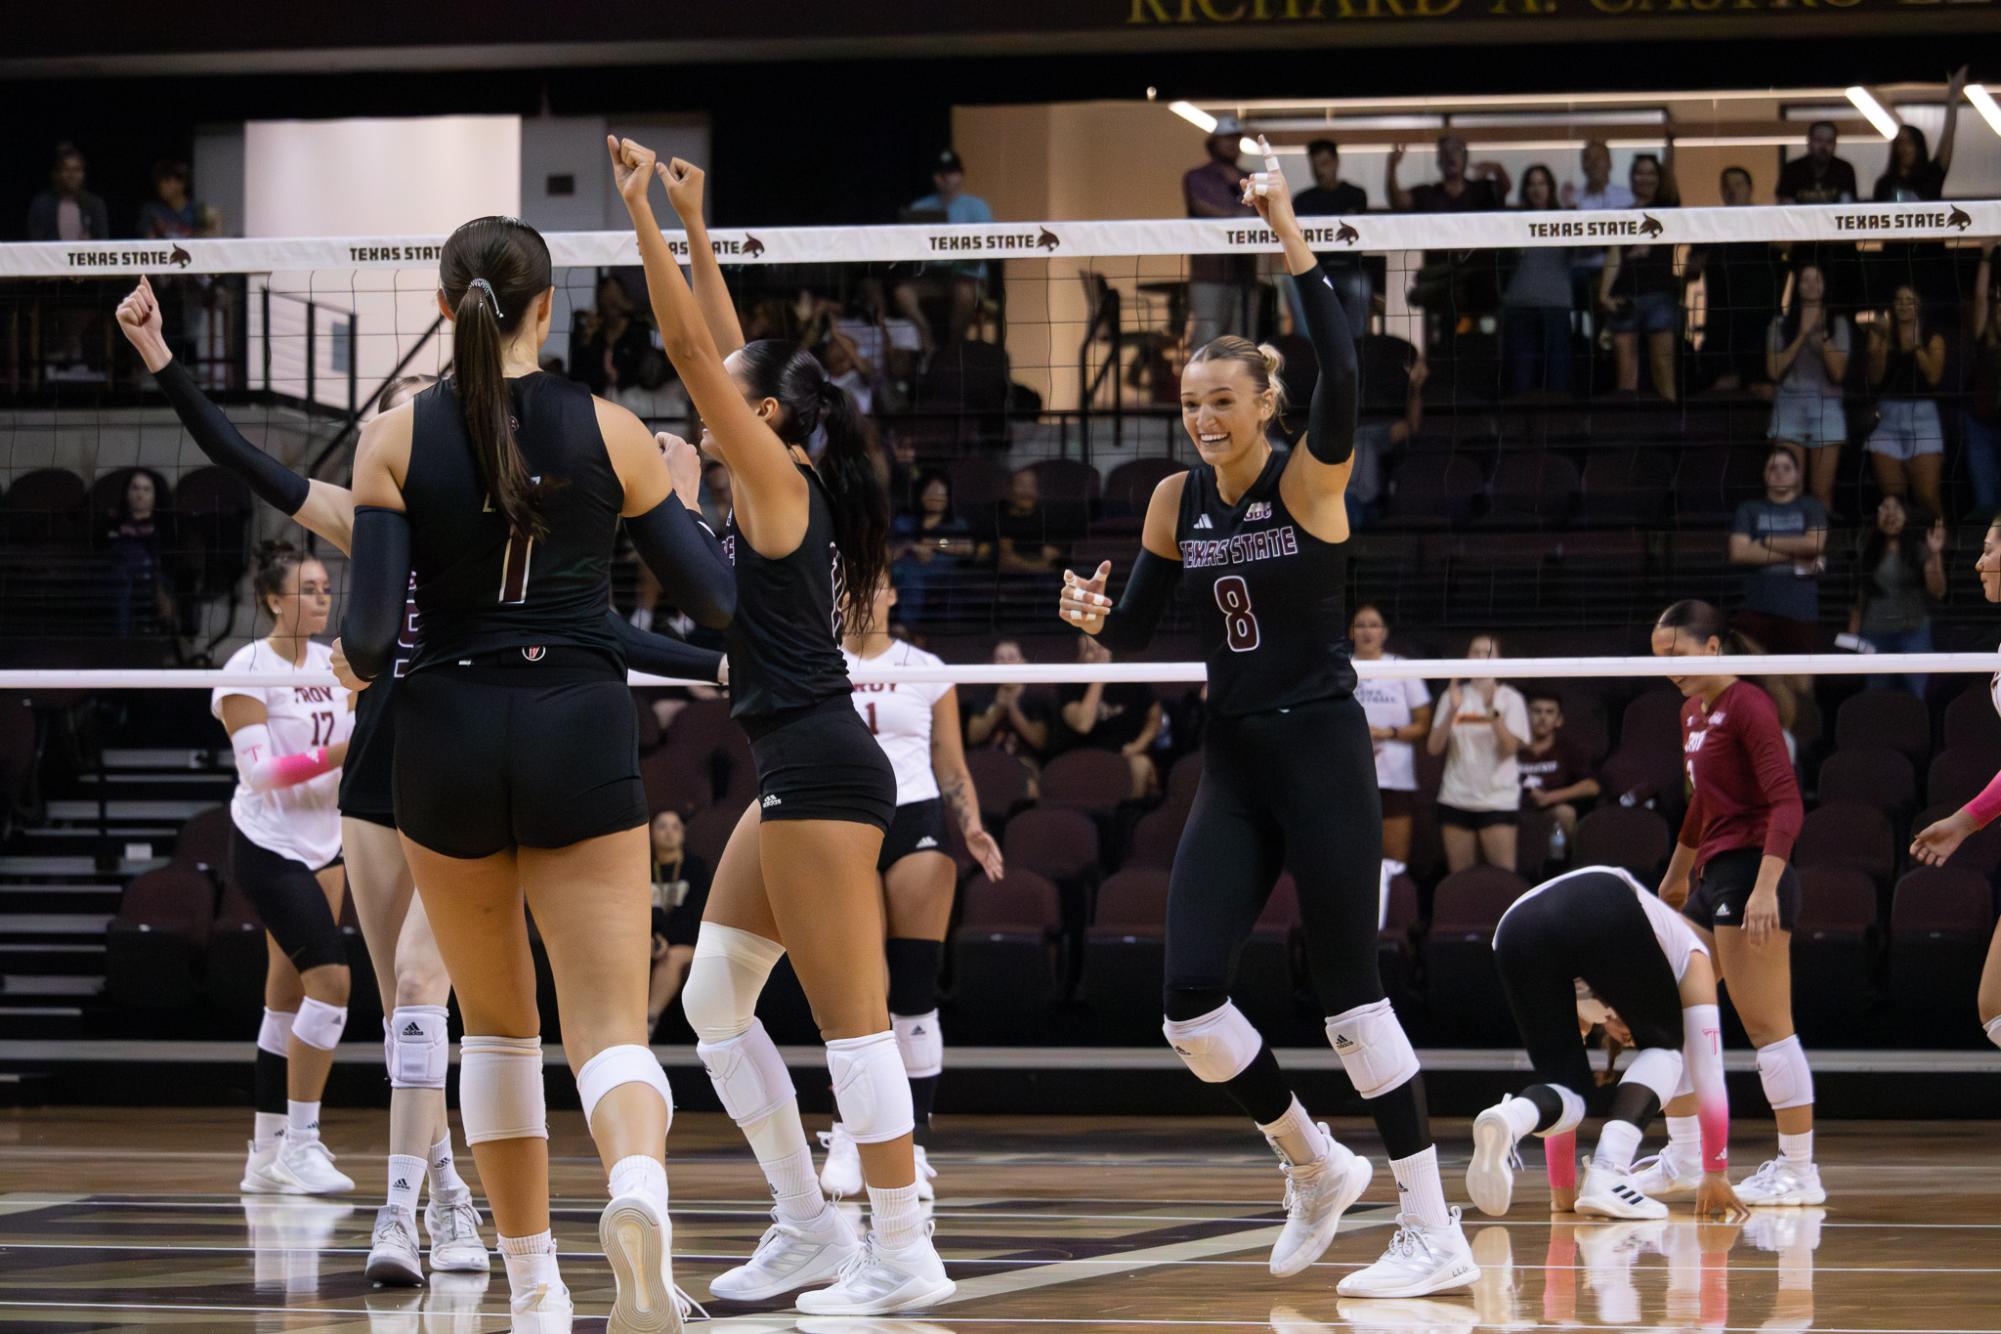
(684, 187)
(684, 465)
(343, 670)
(1761, 915)
(632, 167)
(139, 320)
(1083, 602)
(1267, 192)
(1714, 1198)
(1936, 842)
(1674, 892)
(987, 853)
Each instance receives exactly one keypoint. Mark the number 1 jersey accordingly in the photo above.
(1269, 597)
(302, 821)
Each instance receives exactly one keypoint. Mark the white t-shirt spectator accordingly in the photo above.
(1391, 704)
(1480, 775)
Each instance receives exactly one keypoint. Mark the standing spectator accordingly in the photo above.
(1479, 727)
(1740, 295)
(1555, 775)
(141, 588)
(1453, 288)
(1639, 292)
(1819, 177)
(1399, 713)
(1219, 286)
(1906, 362)
(969, 277)
(1806, 355)
(1900, 576)
(928, 549)
(1331, 197)
(1915, 175)
(1535, 305)
(1484, 191)
(66, 211)
(680, 892)
(608, 344)
(1600, 192)
(1784, 539)
(1982, 418)
(170, 214)
(1122, 717)
(1014, 717)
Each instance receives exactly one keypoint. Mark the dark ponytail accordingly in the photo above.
(1702, 622)
(493, 271)
(275, 560)
(848, 464)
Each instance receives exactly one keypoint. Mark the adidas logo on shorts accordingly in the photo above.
(769, 802)
(926, 842)
(1722, 910)
(413, 1029)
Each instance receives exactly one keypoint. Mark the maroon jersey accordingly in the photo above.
(1745, 794)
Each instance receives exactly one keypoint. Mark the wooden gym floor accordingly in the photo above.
(129, 1219)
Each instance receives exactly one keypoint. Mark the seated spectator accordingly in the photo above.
(1740, 294)
(1021, 537)
(1982, 418)
(1638, 291)
(656, 395)
(1015, 717)
(1479, 727)
(1806, 354)
(608, 343)
(1899, 576)
(142, 587)
(66, 211)
(1535, 305)
(1377, 439)
(928, 549)
(1399, 713)
(949, 201)
(1783, 538)
(1906, 363)
(1555, 775)
(680, 892)
(1122, 717)
(1331, 197)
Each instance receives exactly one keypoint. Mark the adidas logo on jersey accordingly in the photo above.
(413, 1029)
(1202, 521)
(926, 842)
(769, 802)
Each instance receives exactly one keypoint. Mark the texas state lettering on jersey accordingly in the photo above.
(406, 638)
(1240, 548)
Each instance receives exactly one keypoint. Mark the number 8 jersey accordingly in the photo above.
(302, 821)
(1269, 597)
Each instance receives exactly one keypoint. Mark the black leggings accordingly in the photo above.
(1591, 926)
(289, 901)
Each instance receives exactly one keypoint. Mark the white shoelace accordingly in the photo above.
(1766, 1176)
(1408, 1239)
(852, 1267)
(461, 1222)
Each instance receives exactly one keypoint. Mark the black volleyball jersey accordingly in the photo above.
(481, 586)
(784, 646)
(1268, 596)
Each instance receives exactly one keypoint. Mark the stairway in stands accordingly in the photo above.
(61, 878)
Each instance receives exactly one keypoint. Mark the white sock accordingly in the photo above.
(795, 1187)
(896, 1215)
(1522, 1115)
(1296, 1128)
(1796, 1149)
(1419, 1191)
(531, 1261)
(302, 1121)
(640, 1175)
(1617, 1143)
(406, 1175)
(1993, 1027)
(443, 1172)
(270, 1125)
(1685, 1137)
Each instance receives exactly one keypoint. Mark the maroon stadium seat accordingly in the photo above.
(1088, 780)
(236, 954)
(1182, 781)
(1632, 838)
(677, 779)
(1833, 951)
(1130, 487)
(203, 843)
(1062, 845)
(1002, 781)
(1652, 719)
(1156, 837)
(1004, 953)
(44, 505)
(709, 831)
(1940, 921)
(1123, 951)
(153, 948)
(1643, 775)
(1870, 776)
(1893, 718)
(1466, 995)
(1532, 488)
(1970, 720)
(1265, 986)
(1980, 852)
(1959, 772)
(1845, 834)
(1625, 486)
(701, 725)
(1433, 490)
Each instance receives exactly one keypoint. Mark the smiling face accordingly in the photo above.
(1645, 180)
(1223, 410)
(1670, 642)
(1904, 306)
(1890, 516)
(1369, 632)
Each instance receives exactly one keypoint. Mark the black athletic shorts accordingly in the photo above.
(1726, 885)
(917, 827)
(1476, 820)
(511, 751)
(819, 762)
(289, 901)
(367, 780)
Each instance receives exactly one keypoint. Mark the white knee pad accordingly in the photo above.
(921, 1044)
(500, 1089)
(1572, 1115)
(319, 1024)
(627, 1064)
(1373, 1048)
(1216, 1046)
(416, 1048)
(870, 1088)
(725, 980)
(1658, 1069)
(1782, 1069)
(749, 1074)
(275, 1033)
(1993, 1027)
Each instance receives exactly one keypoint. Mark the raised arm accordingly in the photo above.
(1400, 201)
(684, 191)
(1955, 84)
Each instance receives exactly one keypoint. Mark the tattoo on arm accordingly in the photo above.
(953, 790)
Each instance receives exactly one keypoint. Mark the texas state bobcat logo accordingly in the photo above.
(1258, 512)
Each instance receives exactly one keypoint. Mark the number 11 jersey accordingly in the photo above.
(1269, 597)
(302, 821)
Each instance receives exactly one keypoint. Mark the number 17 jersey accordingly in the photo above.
(1269, 597)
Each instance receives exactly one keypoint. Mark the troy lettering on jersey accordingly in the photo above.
(872, 687)
(312, 694)
(1241, 549)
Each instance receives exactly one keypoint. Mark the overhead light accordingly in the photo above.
(1194, 115)
(1873, 111)
(1983, 102)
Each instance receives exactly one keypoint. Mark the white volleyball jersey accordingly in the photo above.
(1677, 939)
(302, 821)
(899, 714)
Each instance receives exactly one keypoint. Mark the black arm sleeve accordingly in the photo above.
(378, 587)
(687, 560)
(1330, 423)
(1129, 626)
(217, 437)
(661, 656)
